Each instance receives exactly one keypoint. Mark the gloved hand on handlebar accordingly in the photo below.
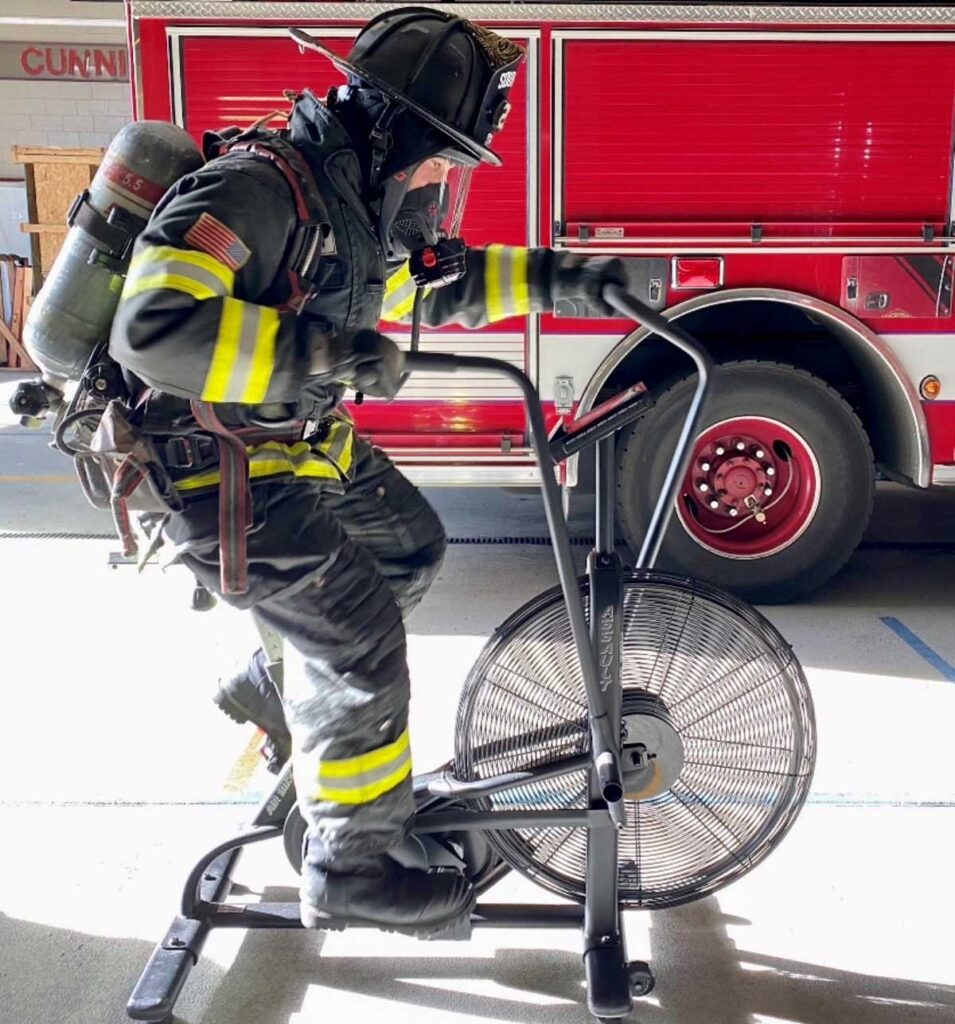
(364, 360)
(574, 276)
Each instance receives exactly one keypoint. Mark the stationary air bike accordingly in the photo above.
(629, 740)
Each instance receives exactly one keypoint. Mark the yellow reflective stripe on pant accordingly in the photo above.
(506, 288)
(183, 270)
(244, 355)
(331, 459)
(361, 779)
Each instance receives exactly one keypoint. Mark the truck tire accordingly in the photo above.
(779, 489)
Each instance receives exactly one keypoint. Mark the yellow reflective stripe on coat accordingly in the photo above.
(505, 282)
(185, 270)
(244, 355)
(273, 459)
(361, 779)
(399, 295)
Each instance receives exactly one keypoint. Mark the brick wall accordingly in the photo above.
(59, 114)
(52, 113)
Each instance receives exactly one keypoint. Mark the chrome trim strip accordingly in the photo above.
(135, 66)
(875, 344)
(712, 15)
(557, 139)
(532, 321)
(756, 249)
(39, 21)
(174, 43)
(747, 13)
(705, 35)
(471, 476)
(943, 475)
(766, 243)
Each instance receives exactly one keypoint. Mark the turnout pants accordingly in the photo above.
(333, 573)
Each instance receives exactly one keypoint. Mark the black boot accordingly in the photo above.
(249, 696)
(380, 892)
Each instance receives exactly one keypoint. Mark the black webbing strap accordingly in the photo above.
(115, 236)
(235, 500)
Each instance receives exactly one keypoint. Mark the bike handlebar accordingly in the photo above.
(605, 742)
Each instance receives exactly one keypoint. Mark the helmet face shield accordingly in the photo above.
(424, 203)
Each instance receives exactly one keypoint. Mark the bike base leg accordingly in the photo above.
(608, 981)
(162, 979)
(160, 984)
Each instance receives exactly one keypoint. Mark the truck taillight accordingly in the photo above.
(697, 272)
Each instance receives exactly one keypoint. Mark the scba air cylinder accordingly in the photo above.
(74, 309)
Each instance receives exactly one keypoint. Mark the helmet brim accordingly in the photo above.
(466, 144)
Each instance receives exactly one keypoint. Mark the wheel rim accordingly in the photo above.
(752, 488)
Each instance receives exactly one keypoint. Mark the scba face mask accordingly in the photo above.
(428, 201)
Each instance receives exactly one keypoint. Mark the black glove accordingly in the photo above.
(580, 281)
(364, 360)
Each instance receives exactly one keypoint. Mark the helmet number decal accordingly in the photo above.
(500, 115)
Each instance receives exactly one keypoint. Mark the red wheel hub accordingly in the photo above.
(752, 488)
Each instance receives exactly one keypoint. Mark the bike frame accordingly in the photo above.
(609, 977)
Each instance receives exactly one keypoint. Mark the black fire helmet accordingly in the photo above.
(433, 67)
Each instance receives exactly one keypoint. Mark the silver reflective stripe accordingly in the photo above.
(157, 274)
(245, 357)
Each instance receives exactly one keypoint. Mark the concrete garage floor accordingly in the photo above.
(116, 771)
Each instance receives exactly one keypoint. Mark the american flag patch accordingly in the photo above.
(213, 237)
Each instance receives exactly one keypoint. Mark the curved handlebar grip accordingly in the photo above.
(437, 362)
(633, 309)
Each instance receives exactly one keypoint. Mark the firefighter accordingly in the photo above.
(251, 303)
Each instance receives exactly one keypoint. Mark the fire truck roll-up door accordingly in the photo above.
(237, 75)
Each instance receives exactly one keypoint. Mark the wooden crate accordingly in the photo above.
(16, 294)
(54, 176)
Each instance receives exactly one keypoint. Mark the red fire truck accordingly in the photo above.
(787, 175)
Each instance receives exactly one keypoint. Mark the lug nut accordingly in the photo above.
(767, 491)
(740, 447)
(760, 453)
(703, 485)
(705, 466)
(714, 504)
(720, 450)
(734, 512)
(770, 471)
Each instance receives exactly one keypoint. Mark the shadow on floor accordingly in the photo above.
(702, 978)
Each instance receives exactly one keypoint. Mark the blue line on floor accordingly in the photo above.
(920, 647)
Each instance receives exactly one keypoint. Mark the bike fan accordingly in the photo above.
(718, 738)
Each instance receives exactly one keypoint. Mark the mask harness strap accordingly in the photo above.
(381, 140)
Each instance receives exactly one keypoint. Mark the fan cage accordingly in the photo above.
(735, 693)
